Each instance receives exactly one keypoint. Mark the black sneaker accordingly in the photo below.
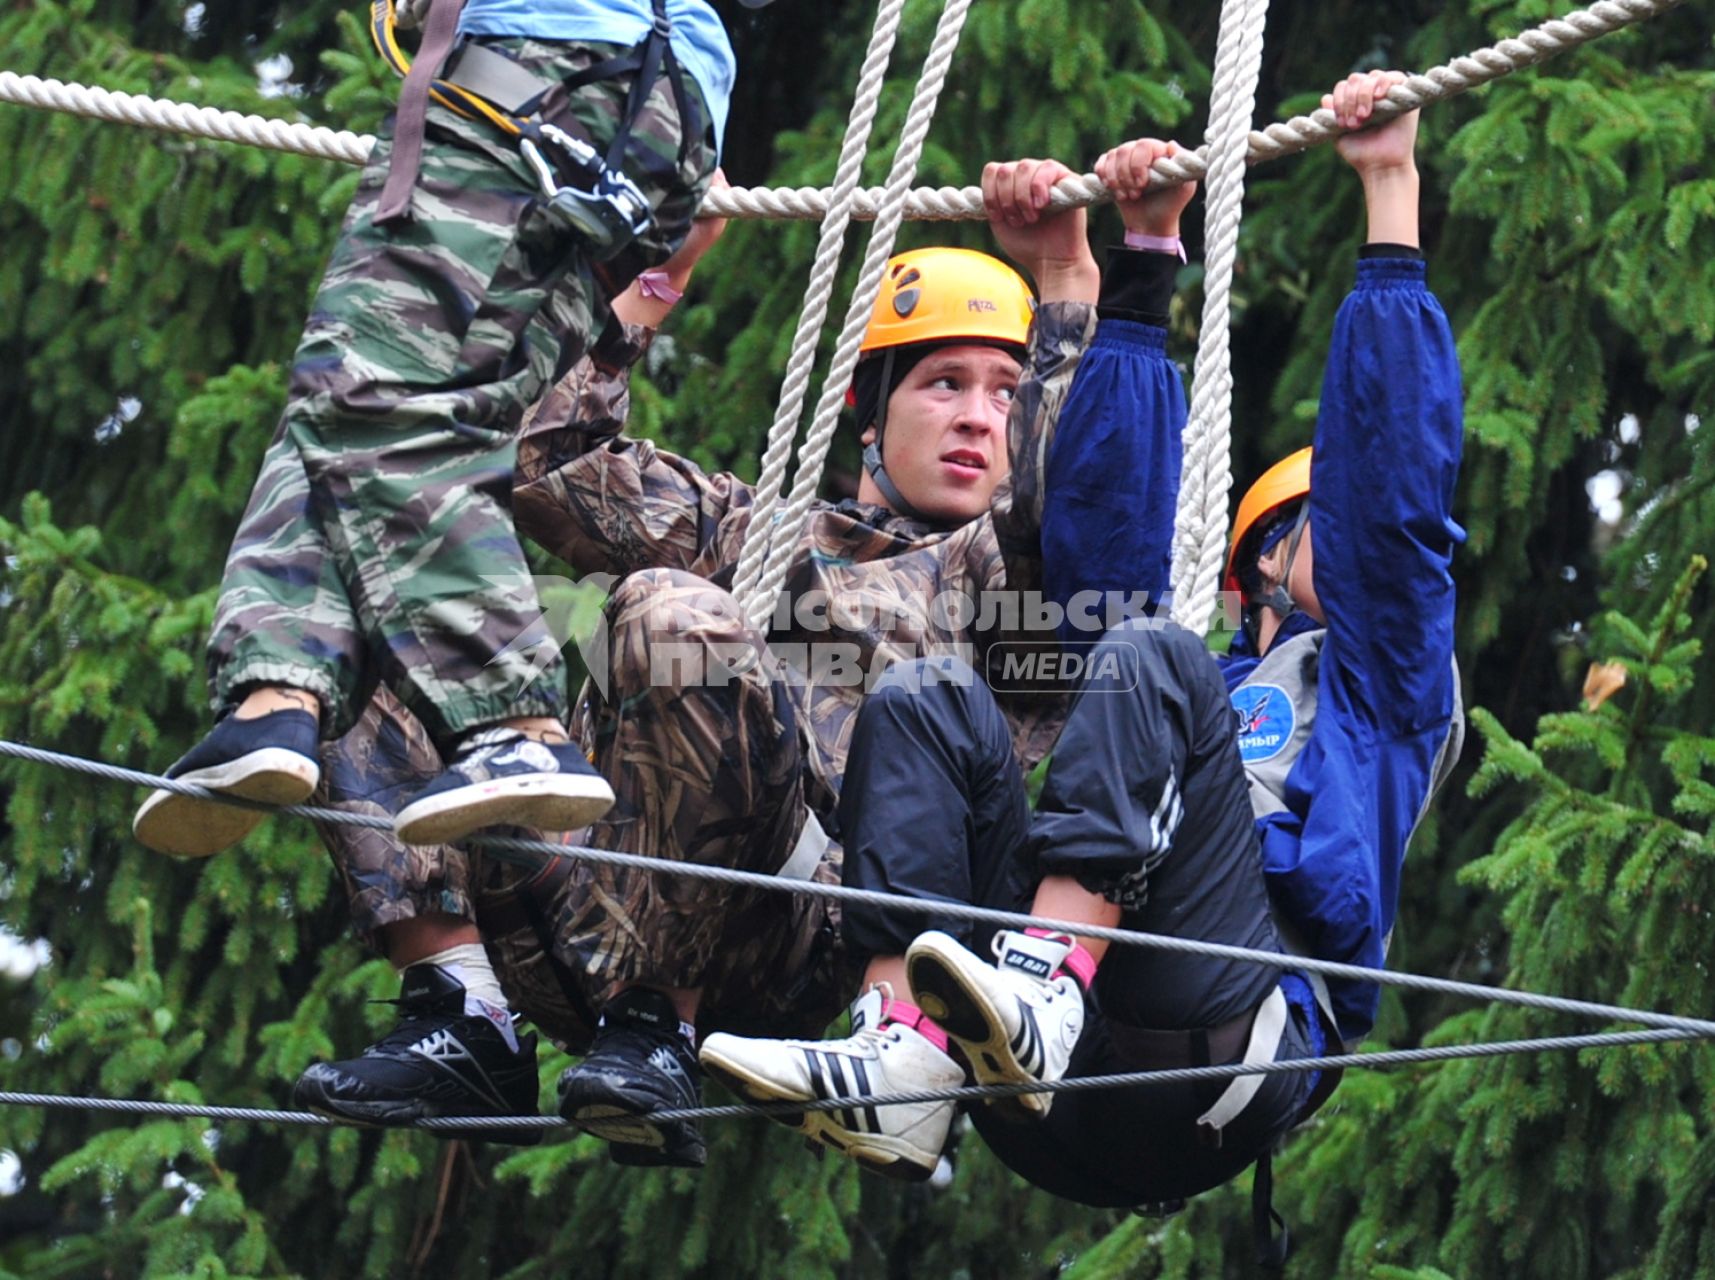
(639, 1063)
(499, 777)
(271, 758)
(439, 1061)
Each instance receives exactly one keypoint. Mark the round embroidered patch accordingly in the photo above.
(1266, 719)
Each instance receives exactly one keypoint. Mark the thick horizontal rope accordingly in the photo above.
(530, 853)
(1286, 137)
(182, 117)
(962, 1093)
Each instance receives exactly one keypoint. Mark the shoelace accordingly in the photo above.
(410, 1030)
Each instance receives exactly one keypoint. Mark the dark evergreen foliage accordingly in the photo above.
(150, 289)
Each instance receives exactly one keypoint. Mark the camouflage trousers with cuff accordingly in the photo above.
(378, 545)
(707, 767)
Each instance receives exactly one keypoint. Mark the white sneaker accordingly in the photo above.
(901, 1141)
(1014, 1022)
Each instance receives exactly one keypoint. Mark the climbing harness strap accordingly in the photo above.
(587, 190)
(1252, 1037)
(1262, 1045)
(612, 211)
(1256, 1035)
(808, 852)
(440, 29)
(1268, 1228)
(1154, 1050)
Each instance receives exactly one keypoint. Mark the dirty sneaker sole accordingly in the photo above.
(188, 827)
(546, 801)
(635, 1138)
(946, 992)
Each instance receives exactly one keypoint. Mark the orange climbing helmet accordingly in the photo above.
(932, 298)
(948, 295)
(1286, 481)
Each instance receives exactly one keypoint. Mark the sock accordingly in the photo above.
(909, 1015)
(1079, 964)
(483, 998)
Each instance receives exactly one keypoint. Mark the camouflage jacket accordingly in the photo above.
(880, 587)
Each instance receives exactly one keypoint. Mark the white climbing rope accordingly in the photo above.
(1287, 137)
(817, 295)
(1206, 471)
(782, 535)
(180, 117)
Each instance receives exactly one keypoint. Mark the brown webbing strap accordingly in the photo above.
(412, 118)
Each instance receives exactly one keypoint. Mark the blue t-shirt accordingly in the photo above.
(699, 40)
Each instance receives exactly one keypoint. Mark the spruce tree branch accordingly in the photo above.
(1667, 631)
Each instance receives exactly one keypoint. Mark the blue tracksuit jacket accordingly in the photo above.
(1359, 742)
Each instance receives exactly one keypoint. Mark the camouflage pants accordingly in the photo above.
(378, 545)
(707, 767)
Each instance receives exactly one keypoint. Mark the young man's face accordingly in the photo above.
(945, 442)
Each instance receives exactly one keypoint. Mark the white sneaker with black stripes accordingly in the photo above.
(1015, 1021)
(902, 1141)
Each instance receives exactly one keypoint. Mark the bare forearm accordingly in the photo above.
(1063, 898)
(634, 307)
(1390, 197)
(1074, 280)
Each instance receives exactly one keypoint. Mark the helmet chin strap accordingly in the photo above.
(1277, 597)
(889, 490)
(872, 452)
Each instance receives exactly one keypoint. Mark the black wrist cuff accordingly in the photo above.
(1381, 249)
(1137, 284)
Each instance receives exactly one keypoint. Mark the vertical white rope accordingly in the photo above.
(824, 422)
(1206, 474)
(816, 297)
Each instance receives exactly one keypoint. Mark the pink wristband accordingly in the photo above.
(654, 284)
(1159, 244)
